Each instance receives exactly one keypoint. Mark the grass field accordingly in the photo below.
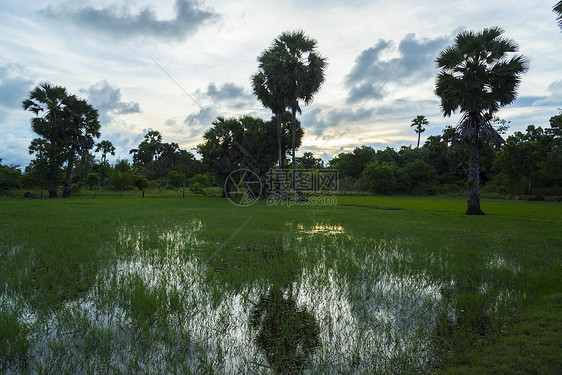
(198, 285)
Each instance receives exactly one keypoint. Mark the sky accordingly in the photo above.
(175, 65)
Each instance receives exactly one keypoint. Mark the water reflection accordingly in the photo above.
(320, 228)
(287, 334)
(171, 303)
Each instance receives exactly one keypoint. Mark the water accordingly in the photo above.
(158, 309)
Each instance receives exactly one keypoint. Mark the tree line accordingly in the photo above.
(527, 163)
(479, 74)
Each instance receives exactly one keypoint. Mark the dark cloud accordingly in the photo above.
(196, 122)
(405, 108)
(333, 121)
(527, 101)
(107, 99)
(13, 87)
(122, 23)
(554, 98)
(170, 123)
(372, 72)
(228, 92)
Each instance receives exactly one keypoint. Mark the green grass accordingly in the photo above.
(423, 288)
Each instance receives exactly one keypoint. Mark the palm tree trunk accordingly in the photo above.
(53, 185)
(52, 173)
(283, 190)
(296, 184)
(68, 186)
(419, 135)
(474, 181)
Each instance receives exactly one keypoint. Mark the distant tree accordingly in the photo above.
(418, 124)
(105, 147)
(121, 176)
(555, 125)
(148, 151)
(308, 161)
(558, 10)
(524, 154)
(259, 148)
(92, 180)
(222, 150)
(380, 177)
(140, 183)
(437, 153)
(48, 103)
(81, 127)
(352, 164)
(10, 177)
(176, 179)
(198, 183)
(419, 176)
(478, 77)
(168, 156)
(409, 154)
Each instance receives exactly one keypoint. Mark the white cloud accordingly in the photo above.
(105, 47)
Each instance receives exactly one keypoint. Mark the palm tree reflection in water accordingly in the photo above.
(287, 334)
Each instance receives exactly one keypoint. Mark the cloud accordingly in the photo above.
(552, 99)
(107, 99)
(13, 87)
(554, 95)
(196, 122)
(373, 69)
(228, 92)
(13, 149)
(122, 23)
(332, 122)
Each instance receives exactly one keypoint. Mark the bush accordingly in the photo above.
(10, 178)
(198, 183)
(380, 177)
(92, 180)
(420, 177)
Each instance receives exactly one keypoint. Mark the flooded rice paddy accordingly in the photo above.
(315, 300)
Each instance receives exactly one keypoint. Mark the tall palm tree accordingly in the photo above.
(302, 73)
(48, 103)
(273, 95)
(558, 10)
(418, 123)
(81, 127)
(477, 78)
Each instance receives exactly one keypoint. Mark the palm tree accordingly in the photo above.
(419, 122)
(558, 10)
(105, 147)
(477, 78)
(302, 73)
(273, 95)
(81, 127)
(48, 103)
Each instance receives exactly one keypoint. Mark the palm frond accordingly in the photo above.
(558, 10)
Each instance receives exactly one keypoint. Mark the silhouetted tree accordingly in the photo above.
(477, 78)
(418, 123)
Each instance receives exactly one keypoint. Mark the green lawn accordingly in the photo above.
(199, 285)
